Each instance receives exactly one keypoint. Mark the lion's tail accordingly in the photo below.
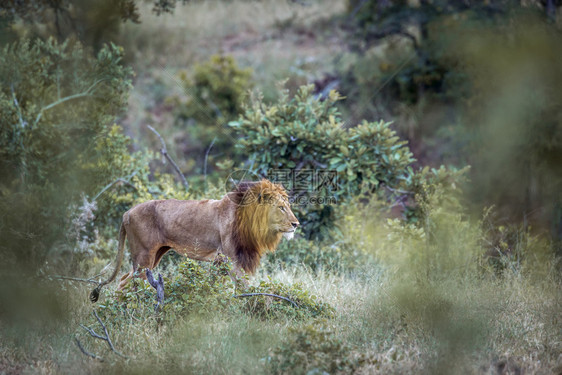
(95, 294)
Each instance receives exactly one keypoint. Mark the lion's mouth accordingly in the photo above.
(288, 234)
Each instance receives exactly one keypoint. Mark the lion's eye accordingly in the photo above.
(281, 208)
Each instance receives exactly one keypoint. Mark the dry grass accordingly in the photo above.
(465, 325)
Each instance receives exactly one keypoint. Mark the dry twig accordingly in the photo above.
(205, 165)
(57, 277)
(164, 152)
(85, 351)
(159, 286)
(104, 338)
(269, 295)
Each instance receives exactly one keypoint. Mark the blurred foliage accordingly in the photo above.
(515, 119)
(215, 94)
(216, 90)
(57, 107)
(313, 349)
(93, 22)
(471, 83)
(413, 65)
(303, 143)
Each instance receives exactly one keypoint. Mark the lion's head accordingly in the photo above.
(263, 217)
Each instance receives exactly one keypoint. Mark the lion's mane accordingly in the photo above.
(252, 235)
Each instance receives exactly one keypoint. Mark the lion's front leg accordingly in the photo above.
(236, 274)
(239, 278)
(128, 276)
(125, 279)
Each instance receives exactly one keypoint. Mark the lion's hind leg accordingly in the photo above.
(142, 260)
(125, 279)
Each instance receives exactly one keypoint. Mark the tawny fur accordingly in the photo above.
(243, 225)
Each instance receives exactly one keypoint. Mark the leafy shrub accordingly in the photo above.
(270, 307)
(216, 89)
(303, 134)
(201, 287)
(313, 349)
(193, 287)
(215, 95)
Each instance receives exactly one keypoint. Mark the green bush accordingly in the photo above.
(201, 287)
(308, 304)
(216, 90)
(215, 94)
(306, 137)
(192, 287)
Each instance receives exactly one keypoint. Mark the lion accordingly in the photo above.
(243, 225)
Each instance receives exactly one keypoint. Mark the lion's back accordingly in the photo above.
(177, 220)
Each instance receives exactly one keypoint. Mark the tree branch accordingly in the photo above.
(16, 103)
(56, 277)
(106, 338)
(399, 191)
(158, 285)
(84, 351)
(67, 98)
(123, 180)
(164, 152)
(205, 165)
(267, 294)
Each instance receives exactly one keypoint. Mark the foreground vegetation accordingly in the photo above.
(412, 269)
(421, 300)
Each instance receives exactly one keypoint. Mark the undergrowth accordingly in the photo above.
(206, 288)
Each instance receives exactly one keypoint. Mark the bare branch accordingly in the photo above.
(399, 191)
(317, 164)
(300, 165)
(93, 333)
(57, 277)
(123, 180)
(205, 165)
(67, 98)
(158, 285)
(164, 152)
(267, 294)
(16, 103)
(106, 338)
(84, 351)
